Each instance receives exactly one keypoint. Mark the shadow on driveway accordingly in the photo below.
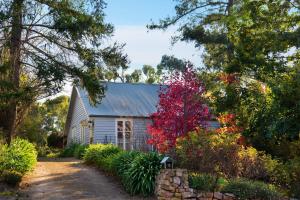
(68, 178)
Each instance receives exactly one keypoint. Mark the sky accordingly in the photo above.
(143, 46)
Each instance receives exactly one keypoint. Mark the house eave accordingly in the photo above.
(119, 116)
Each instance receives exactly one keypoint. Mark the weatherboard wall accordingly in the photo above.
(78, 115)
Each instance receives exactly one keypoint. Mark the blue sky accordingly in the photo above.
(137, 12)
(143, 46)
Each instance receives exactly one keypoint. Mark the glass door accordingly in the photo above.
(124, 134)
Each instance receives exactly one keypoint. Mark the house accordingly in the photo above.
(121, 118)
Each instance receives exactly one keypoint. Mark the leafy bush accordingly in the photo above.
(20, 156)
(43, 151)
(91, 153)
(245, 189)
(74, 150)
(256, 165)
(141, 174)
(293, 168)
(79, 151)
(99, 154)
(221, 154)
(287, 176)
(215, 153)
(122, 162)
(108, 163)
(203, 182)
(12, 177)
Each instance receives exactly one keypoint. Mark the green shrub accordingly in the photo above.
(123, 161)
(203, 182)
(20, 156)
(141, 174)
(79, 151)
(287, 176)
(245, 189)
(43, 151)
(104, 155)
(221, 154)
(91, 153)
(214, 153)
(107, 163)
(12, 177)
(69, 151)
(293, 168)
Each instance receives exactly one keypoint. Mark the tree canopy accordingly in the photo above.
(251, 58)
(43, 43)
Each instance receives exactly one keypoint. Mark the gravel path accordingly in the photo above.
(70, 179)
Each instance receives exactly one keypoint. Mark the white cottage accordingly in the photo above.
(121, 118)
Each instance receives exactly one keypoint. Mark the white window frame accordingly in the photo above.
(73, 134)
(82, 133)
(116, 131)
(91, 134)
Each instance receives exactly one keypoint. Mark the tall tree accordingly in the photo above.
(251, 53)
(45, 119)
(150, 73)
(44, 43)
(186, 112)
(171, 64)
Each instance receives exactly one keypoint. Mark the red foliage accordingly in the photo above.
(228, 124)
(180, 110)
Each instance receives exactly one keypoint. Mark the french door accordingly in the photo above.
(124, 134)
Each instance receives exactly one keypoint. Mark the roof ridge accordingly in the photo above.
(139, 83)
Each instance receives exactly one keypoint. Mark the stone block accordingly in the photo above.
(218, 195)
(228, 196)
(177, 194)
(179, 173)
(176, 180)
(168, 188)
(166, 194)
(208, 195)
(186, 195)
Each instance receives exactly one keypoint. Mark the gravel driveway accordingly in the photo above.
(70, 179)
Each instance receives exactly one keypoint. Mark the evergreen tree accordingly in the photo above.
(43, 43)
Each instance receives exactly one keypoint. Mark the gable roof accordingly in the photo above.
(124, 100)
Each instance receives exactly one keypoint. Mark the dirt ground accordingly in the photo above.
(70, 179)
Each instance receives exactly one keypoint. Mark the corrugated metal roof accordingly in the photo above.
(124, 99)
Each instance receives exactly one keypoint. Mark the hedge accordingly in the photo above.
(16, 159)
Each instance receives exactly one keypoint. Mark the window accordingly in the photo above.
(91, 135)
(124, 134)
(82, 134)
(73, 134)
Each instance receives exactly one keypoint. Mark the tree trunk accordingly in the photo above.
(8, 120)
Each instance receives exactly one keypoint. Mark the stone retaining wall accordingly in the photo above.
(172, 184)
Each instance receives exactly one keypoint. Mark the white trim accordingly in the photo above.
(116, 130)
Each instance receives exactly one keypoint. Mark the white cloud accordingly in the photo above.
(145, 46)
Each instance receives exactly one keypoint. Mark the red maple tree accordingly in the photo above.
(179, 111)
